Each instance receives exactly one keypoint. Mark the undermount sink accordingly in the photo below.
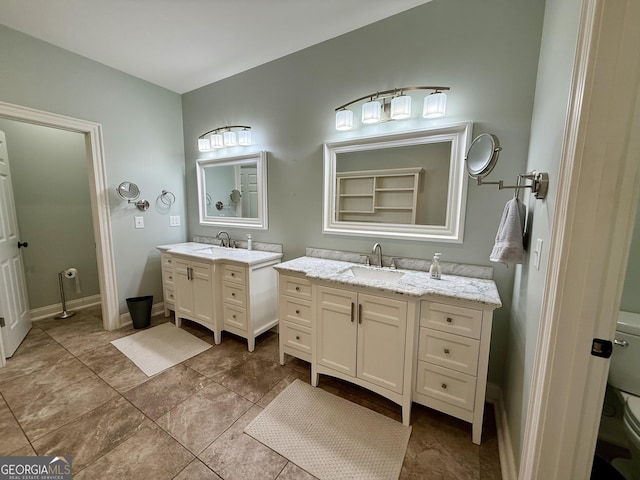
(372, 273)
(212, 249)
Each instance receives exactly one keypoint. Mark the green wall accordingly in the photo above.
(555, 72)
(631, 294)
(49, 175)
(487, 52)
(143, 143)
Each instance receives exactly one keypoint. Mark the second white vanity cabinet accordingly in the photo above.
(194, 298)
(362, 336)
(295, 311)
(452, 359)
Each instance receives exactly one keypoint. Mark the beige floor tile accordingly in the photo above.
(44, 356)
(94, 434)
(254, 378)
(294, 472)
(50, 413)
(150, 453)
(218, 361)
(237, 456)
(114, 368)
(195, 424)
(164, 391)
(197, 470)
(13, 438)
(43, 382)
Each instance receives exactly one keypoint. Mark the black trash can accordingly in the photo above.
(140, 310)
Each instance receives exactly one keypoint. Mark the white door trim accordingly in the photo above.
(98, 191)
(597, 196)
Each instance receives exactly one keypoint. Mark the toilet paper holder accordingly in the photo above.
(67, 273)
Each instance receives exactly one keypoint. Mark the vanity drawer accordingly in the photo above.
(452, 319)
(295, 311)
(234, 294)
(446, 385)
(233, 273)
(447, 350)
(234, 316)
(167, 276)
(169, 297)
(295, 287)
(166, 261)
(296, 337)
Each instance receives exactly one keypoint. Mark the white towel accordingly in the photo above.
(509, 247)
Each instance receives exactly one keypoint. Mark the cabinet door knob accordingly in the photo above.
(444, 386)
(446, 351)
(449, 320)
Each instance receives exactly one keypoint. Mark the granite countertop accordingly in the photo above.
(413, 283)
(212, 253)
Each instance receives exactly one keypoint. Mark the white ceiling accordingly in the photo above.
(185, 44)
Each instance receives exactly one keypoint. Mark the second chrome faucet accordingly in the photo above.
(377, 250)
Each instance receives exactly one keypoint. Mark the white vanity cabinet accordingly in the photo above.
(168, 289)
(249, 299)
(194, 299)
(363, 338)
(295, 311)
(451, 360)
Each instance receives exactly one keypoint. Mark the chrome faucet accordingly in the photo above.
(377, 250)
(219, 237)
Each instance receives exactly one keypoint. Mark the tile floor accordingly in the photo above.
(68, 391)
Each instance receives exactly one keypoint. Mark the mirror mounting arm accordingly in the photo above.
(539, 183)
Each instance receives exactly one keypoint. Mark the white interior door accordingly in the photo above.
(249, 186)
(14, 306)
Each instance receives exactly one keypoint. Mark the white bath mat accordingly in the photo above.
(330, 437)
(159, 348)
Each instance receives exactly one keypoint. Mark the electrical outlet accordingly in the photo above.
(174, 221)
(537, 253)
(139, 222)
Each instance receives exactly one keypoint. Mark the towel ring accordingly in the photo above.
(167, 198)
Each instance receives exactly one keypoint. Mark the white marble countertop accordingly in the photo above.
(212, 253)
(413, 283)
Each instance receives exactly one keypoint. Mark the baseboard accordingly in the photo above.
(505, 447)
(55, 309)
(156, 309)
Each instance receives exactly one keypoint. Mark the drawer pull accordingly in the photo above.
(446, 351)
(297, 312)
(233, 316)
(169, 261)
(170, 296)
(444, 386)
(233, 294)
(297, 337)
(233, 274)
(170, 277)
(449, 320)
(297, 289)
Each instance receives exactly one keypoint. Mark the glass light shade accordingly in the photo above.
(401, 107)
(230, 139)
(216, 141)
(435, 105)
(344, 120)
(244, 137)
(204, 145)
(371, 112)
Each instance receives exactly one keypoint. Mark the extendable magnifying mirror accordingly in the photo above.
(129, 191)
(482, 156)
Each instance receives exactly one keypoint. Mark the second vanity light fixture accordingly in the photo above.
(227, 136)
(399, 108)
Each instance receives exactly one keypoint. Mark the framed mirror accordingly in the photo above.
(232, 191)
(409, 185)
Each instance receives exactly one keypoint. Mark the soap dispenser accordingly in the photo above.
(249, 242)
(434, 269)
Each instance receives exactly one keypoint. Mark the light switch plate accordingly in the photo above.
(174, 221)
(139, 222)
(537, 253)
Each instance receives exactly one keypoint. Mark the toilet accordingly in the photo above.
(624, 376)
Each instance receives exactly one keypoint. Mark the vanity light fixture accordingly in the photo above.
(227, 136)
(399, 108)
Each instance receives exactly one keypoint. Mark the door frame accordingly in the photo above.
(599, 175)
(98, 192)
